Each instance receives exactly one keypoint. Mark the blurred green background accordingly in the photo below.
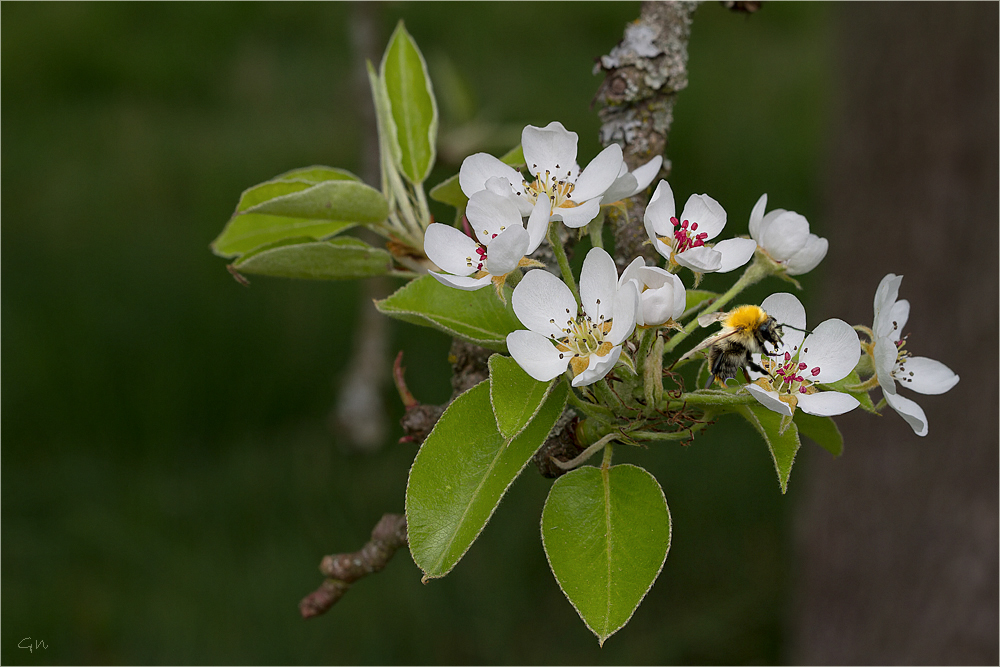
(169, 481)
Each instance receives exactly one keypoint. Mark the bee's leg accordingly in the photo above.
(754, 367)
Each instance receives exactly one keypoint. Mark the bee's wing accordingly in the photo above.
(710, 318)
(708, 342)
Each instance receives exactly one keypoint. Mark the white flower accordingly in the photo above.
(826, 355)
(550, 153)
(784, 236)
(589, 343)
(893, 362)
(662, 295)
(629, 183)
(682, 241)
(502, 241)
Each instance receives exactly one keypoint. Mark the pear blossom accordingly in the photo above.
(662, 296)
(893, 362)
(629, 184)
(559, 335)
(500, 244)
(803, 361)
(574, 195)
(784, 237)
(683, 241)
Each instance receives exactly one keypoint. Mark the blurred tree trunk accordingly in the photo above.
(897, 541)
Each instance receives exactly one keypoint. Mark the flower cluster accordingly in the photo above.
(586, 332)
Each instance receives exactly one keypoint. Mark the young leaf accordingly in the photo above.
(316, 260)
(478, 317)
(450, 192)
(246, 231)
(461, 473)
(350, 201)
(388, 141)
(696, 296)
(515, 395)
(606, 533)
(821, 430)
(783, 447)
(411, 99)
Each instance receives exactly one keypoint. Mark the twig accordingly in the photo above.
(342, 570)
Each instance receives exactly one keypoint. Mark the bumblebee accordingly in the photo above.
(745, 330)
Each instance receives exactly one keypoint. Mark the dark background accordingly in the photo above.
(169, 481)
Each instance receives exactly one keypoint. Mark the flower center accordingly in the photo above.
(477, 261)
(789, 375)
(899, 372)
(559, 191)
(583, 337)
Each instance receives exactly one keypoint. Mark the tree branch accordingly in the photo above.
(644, 73)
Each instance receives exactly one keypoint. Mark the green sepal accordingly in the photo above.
(478, 316)
(461, 473)
(606, 534)
(304, 258)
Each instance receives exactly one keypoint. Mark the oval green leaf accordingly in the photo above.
(515, 395)
(461, 473)
(316, 260)
(349, 201)
(696, 296)
(411, 99)
(782, 439)
(478, 317)
(821, 430)
(606, 533)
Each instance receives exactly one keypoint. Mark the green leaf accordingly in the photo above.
(316, 260)
(515, 395)
(248, 229)
(606, 533)
(450, 192)
(411, 99)
(478, 317)
(863, 396)
(821, 430)
(462, 471)
(696, 296)
(345, 200)
(389, 152)
(783, 446)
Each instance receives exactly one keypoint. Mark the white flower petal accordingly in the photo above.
(536, 355)
(770, 400)
(479, 168)
(631, 272)
(787, 309)
(665, 297)
(598, 176)
(925, 376)
(898, 315)
(490, 214)
(827, 403)
(756, 216)
(625, 307)
(834, 348)
(598, 284)
(507, 250)
(577, 216)
(538, 223)
(707, 213)
(885, 297)
(448, 248)
(598, 367)
(785, 236)
(624, 187)
(806, 259)
(735, 253)
(499, 185)
(461, 282)
(909, 411)
(659, 212)
(701, 260)
(541, 297)
(645, 174)
(551, 148)
(767, 220)
(884, 358)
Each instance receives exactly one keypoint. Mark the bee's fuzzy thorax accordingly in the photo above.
(745, 318)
